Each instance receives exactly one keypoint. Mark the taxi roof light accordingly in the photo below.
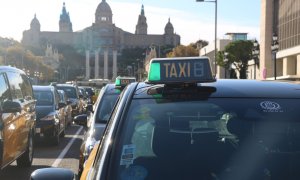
(188, 70)
(123, 81)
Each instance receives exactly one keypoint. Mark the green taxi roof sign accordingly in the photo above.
(180, 70)
(123, 81)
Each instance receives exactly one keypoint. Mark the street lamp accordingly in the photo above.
(226, 63)
(274, 48)
(216, 10)
(255, 55)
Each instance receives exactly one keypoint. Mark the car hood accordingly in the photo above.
(42, 111)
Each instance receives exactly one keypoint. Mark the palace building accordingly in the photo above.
(102, 40)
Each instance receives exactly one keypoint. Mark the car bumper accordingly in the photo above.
(45, 129)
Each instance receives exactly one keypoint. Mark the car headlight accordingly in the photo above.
(48, 117)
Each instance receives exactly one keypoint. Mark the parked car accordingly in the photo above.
(90, 92)
(182, 123)
(68, 108)
(50, 114)
(99, 116)
(73, 94)
(17, 118)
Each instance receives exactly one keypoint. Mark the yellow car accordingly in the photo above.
(89, 162)
(17, 120)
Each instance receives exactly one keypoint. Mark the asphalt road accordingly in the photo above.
(64, 155)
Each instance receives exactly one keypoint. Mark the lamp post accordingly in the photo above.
(255, 55)
(226, 63)
(274, 48)
(216, 10)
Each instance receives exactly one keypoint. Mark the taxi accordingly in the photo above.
(99, 117)
(182, 123)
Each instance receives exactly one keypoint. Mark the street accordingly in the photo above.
(65, 156)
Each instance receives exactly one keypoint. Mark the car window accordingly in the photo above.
(44, 98)
(4, 89)
(15, 81)
(26, 88)
(105, 107)
(70, 91)
(206, 133)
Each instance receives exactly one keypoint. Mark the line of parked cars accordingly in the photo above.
(31, 113)
(183, 123)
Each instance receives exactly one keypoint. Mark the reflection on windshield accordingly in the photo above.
(70, 91)
(44, 98)
(243, 139)
(107, 103)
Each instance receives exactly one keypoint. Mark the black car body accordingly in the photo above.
(184, 124)
(68, 108)
(50, 113)
(97, 120)
(89, 93)
(73, 94)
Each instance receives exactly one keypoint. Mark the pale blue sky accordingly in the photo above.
(191, 20)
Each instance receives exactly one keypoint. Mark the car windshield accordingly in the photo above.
(200, 139)
(105, 107)
(44, 98)
(70, 91)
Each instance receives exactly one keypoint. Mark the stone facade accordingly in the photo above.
(281, 17)
(101, 34)
(100, 38)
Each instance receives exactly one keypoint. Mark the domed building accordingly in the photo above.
(103, 39)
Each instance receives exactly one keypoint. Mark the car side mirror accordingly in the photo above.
(11, 107)
(81, 120)
(52, 173)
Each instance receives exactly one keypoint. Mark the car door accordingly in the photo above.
(17, 127)
(9, 124)
(60, 111)
(29, 110)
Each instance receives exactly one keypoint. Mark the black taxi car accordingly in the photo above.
(185, 124)
(50, 114)
(17, 117)
(99, 117)
(74, 96)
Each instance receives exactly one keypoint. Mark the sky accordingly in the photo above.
(191, 20)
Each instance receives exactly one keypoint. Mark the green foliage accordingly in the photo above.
(184, 51)
(14, 54)
(239, 53)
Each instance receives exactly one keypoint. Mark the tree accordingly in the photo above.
(239, 53)
(184, 51)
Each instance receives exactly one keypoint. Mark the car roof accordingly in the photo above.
(42, 88)
(65, 85)
(9, 68)
(237, 88)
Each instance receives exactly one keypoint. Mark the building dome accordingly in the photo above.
(35, 24)
(103, 7)
(103, 12)
(169, 29)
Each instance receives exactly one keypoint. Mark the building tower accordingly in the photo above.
(169, 33)
(141, 27)
(65, 24)
(31, 37)
(35, 25)
(103, 13)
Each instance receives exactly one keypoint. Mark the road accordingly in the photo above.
(65, 155)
